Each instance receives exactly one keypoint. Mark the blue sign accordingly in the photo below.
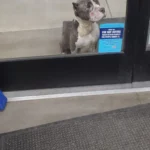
(111, 35)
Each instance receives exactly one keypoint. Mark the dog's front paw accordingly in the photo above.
(76, 51)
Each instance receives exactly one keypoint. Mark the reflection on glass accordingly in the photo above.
(149, 36)
(34, 27)
(148, 39)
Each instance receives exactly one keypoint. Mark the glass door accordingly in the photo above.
(48, 44)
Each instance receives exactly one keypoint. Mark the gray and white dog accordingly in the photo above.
(81, 35)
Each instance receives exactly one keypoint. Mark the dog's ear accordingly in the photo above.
(75, 6)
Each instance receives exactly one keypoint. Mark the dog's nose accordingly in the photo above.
(102, 10)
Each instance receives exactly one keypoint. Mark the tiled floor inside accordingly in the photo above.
(24, 114)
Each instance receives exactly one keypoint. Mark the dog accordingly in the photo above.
(81, 34)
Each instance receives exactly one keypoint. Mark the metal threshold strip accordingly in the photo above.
(74, 94)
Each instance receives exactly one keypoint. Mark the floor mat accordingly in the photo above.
(124, 129)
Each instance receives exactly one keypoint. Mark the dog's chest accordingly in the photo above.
(87, 41)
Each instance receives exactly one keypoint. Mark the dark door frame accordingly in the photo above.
(142, 55)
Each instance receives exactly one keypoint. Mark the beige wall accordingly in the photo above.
(35, 14)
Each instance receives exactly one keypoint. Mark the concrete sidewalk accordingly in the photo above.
(24, 114)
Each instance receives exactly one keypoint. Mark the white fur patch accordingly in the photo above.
(88, 42)
(95, 14)
(85, 27)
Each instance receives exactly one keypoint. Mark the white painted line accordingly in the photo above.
(79, 94)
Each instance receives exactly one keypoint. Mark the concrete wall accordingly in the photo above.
(35, 14)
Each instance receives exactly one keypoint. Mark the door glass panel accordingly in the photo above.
(30, 28)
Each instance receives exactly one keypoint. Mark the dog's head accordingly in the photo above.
(89, 10)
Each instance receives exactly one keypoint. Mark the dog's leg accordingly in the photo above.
(76, 51)
(93, 48)
(64, 50)
(65, 40)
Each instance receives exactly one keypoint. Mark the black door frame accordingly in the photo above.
(142, 55)
(66, 71)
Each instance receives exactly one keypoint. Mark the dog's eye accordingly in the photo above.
(89, 4)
